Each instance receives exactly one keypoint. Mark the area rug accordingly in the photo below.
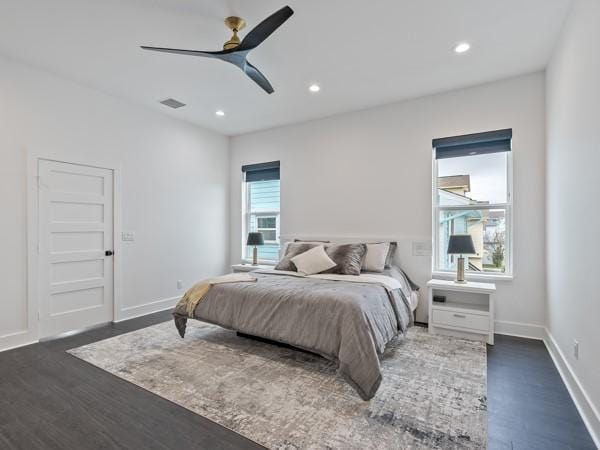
(433, 394)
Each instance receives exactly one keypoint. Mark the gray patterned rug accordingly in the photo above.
(433, 394)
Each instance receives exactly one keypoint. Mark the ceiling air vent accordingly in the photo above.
(172, 103)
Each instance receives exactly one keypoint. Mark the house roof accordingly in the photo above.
(455, 182)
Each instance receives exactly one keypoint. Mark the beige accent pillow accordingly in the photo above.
(376, 257)
(313, 261)
(290, 250)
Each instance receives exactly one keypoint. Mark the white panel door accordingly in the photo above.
(75, 247)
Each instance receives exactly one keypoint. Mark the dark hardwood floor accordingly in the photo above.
(51, 400)
(529, 407)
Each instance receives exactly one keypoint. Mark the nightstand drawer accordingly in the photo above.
(461, 320)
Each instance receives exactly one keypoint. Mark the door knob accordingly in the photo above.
(108, 252)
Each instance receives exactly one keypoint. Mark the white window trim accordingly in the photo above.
(274, 214)
(508, 274)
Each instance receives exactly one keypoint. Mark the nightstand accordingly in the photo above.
(249, 267)
(468, 311)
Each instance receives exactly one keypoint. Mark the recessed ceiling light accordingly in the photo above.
(220, 113)
(462, 47)
(314, 88)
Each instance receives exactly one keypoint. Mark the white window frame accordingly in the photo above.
(508, 273)
(263, 215)
(246, 214)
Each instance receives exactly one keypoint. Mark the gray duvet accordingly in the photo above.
(346, 322)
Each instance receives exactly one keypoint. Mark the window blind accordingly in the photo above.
(473, 144)
(261, 172)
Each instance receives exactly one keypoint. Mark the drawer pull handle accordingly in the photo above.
(460, 316)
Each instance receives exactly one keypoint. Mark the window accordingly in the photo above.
(261, 208)
(472, 195)
(267, 225)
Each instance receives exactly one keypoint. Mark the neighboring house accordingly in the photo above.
(452, 191)
(263, 216)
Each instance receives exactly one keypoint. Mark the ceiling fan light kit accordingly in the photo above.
(235, 51)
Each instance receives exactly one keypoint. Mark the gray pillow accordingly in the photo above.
(390, 256)
(293, 249)
(311, 240)
(348, 258)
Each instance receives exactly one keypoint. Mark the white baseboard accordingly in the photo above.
(132, 312)
(588, 411)
(519, 329)
(27, 337)
(16, 340)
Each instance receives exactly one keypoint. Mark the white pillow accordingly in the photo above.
(313, 261)
(375, 257)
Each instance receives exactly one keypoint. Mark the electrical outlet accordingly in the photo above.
(576, 348)
(179, 284)
(128, 236)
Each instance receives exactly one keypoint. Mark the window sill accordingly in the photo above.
(473, 276)
(262, 262)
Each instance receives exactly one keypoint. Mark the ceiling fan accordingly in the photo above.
(235, 51)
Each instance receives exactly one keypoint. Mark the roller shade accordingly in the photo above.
(473, 144)
(261, 172)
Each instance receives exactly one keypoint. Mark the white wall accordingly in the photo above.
(573, 212)
(369, 174)
(174, 188)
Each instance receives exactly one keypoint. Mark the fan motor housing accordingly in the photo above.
(235, 24)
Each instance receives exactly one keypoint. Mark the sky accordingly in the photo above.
(487, 172)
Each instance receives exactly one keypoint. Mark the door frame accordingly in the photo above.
(33, 300)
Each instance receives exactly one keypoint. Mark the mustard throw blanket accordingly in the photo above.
(196, 293)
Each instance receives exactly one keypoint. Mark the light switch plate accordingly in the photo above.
(421, 248)
(128, 236)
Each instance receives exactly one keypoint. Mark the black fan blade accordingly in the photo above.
(258, 78)
(187, 52)
(264, 29)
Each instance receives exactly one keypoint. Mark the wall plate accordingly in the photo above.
(128, 236)
(421, 248)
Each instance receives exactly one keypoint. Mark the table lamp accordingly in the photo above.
(255, 239)
(461, 244)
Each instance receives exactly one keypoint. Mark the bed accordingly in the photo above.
(345, 318)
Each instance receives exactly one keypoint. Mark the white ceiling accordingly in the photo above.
(362, 53)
